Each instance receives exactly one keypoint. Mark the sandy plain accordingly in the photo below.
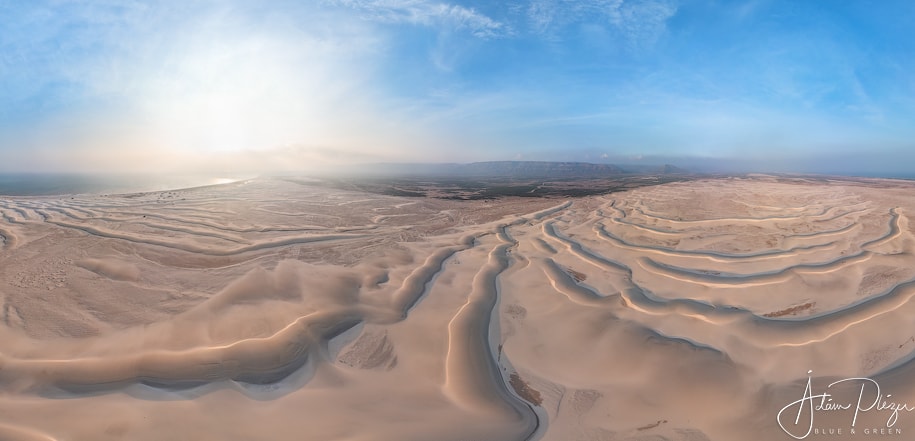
(275, 310)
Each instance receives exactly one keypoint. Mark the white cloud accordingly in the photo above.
(432, 14)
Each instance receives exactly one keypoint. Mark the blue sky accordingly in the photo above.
(287, 85)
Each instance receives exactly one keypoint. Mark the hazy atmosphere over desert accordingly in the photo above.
(373, 220)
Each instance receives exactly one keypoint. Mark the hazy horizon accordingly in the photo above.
(71, 183)
(230, 87)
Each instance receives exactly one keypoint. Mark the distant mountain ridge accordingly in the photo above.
(518, 169)
(537, 168)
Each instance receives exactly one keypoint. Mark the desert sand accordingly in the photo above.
(275, 310)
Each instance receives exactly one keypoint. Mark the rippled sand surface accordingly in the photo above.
(269, 309)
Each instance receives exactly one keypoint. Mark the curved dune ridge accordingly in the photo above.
(269, 309)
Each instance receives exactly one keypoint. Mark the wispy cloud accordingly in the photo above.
(426, 13)
(640, 23)
(643, 23)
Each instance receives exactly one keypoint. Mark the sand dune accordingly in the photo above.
(270, 309)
